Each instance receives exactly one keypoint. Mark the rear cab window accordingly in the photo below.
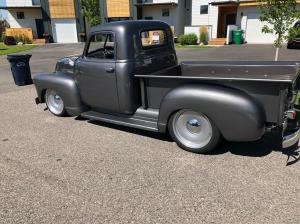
(152, 39)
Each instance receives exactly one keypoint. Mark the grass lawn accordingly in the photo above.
(4, 50)
(191, 46)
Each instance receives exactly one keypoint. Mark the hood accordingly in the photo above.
(66, 64)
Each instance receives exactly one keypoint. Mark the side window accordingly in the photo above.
(101, 46)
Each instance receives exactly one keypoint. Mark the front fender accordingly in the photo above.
(65, 85)
(238, 116)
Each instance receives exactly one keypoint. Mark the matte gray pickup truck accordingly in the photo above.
(128, 75)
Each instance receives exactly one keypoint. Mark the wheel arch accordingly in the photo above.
(237, 115)
(64, 85)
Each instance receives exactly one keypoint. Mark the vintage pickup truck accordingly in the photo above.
(129, 75)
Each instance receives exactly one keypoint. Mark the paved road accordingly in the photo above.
(63, 170)
(43, 60)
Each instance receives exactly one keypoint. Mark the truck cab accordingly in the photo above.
(114, 53)
(129, 75)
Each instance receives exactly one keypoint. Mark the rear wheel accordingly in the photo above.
(55, 103)
(194, 131)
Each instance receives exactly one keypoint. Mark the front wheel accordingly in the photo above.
(55, 103)
(194, 131)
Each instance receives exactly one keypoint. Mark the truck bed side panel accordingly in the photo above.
(269, 95)
(237, 115)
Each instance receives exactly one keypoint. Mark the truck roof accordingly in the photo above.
(131, 25)
(127, 34)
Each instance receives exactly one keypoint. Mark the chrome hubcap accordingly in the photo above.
(194, 126)
(193, 129)
(54, 102)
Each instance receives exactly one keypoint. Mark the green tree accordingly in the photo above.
(3, 25)
(91, 10)
(280, 16)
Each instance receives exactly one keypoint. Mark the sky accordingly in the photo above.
(2, 14)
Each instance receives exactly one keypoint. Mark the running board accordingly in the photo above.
(135, 121)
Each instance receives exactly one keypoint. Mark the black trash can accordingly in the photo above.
(19, 64)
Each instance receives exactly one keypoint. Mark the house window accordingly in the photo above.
(148, 18)
(20, 15)
(204, 9)
(165, 12)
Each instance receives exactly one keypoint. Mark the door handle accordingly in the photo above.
(110, 70)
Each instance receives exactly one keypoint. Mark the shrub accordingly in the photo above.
(27, 40)
(189, 39)
(23, 39)
(18, 39)
(3, 25)
(203, 35)
(203, 38)
(9, 40)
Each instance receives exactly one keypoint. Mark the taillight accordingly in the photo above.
(291, 114)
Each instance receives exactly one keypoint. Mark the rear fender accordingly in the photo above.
(238, 116)
(65, 85)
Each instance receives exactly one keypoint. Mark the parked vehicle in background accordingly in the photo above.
(295, 42)
(128, 75)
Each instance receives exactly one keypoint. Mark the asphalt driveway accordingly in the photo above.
(67, 170)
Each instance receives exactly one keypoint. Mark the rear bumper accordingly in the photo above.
(291, 139)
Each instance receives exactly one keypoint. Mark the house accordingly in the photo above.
(117, 10)
(248, 20)
(217, 15)
(177, 13)
(245, 15)
(174, 12)
(58, 21)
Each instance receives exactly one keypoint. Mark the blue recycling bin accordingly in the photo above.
(19, 64)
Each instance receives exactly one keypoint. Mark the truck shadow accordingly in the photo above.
(271, 142)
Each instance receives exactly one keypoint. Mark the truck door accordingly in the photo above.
(96, 75)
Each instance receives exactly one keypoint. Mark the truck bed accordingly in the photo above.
(263, 71)
(267, 82)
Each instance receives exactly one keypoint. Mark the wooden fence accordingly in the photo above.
(27, 32)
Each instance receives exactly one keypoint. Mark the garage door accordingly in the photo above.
(64, 30)
(253, 25)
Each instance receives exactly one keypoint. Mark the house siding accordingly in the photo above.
(16, 2)
(62, 9)
(162, 1)
(53, 12)
(248, 20)
(156, 14)
(118, 8)
(28, 22)
(210, 19)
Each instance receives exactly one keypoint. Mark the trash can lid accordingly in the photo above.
(18, 56)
